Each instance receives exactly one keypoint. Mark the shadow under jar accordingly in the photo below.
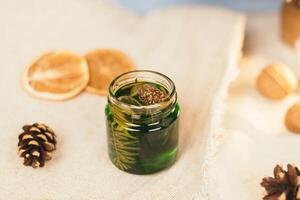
(142, 122)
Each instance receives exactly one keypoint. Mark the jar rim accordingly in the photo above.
(171, 95)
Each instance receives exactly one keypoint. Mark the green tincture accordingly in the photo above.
(142, 144)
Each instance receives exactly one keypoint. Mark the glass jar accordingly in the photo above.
(142, 139)
(290, 21)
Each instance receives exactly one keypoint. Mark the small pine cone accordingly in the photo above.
(36, 144)
(284, 185)
(150, 95)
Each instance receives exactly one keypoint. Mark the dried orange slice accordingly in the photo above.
(104, 66)
(56, 76)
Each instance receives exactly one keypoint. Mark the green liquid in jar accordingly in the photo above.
(147, 143)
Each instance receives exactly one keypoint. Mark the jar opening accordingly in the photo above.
(139, 76)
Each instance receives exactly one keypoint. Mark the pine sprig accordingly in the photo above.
(125, 146)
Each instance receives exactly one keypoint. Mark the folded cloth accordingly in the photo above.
(196, 46)
(255, 138)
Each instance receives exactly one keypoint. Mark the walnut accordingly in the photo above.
(292, 118)
(276, 81)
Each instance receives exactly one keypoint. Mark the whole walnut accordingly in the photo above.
(276, 81)
(292, 118)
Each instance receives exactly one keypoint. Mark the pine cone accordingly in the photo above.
(36, 144)
(149, 95)
(284, 185)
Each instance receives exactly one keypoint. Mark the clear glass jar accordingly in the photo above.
(142, 139)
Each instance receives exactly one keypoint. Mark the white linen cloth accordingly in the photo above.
(196, 46)
(255, 138)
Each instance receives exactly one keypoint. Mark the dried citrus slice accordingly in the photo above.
(56, 76)
(104, 66)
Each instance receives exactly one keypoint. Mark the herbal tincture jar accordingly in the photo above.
(142, 122)
(290, 21)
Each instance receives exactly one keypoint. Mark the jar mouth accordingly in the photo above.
(147, 76)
